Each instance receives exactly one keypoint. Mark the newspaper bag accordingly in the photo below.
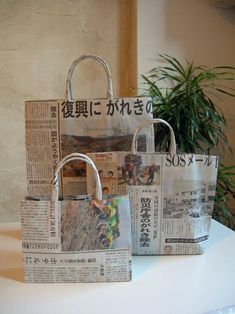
(56, 128)
(76, 239)
(171, 195)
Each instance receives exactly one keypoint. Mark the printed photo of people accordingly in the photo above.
(105, 190)
(109, 177)
(188, 199)
(134, 172)
(167, 250)
(71, 143)
(110, 174)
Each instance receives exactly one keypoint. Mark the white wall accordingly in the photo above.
(197, 30)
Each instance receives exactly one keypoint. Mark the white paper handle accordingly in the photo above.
(68, 94)
(65, 160)
(172, 148)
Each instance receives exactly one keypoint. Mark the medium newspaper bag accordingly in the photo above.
(171, 195)
(56, 128)
(76, 239)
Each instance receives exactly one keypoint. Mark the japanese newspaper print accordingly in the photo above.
(171, 198)
(56, 128)
(80, 241)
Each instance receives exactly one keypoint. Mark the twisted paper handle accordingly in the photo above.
(65, 160)
(172, 148)
(68, 93)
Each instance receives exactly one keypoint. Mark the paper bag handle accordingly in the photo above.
(68, 92)
(71, 157)
(172, 148)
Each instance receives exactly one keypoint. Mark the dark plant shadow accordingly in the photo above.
(228, 14)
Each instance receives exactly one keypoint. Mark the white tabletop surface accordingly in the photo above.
(160, 284)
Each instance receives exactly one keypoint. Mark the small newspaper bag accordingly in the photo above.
(76, 239)
(58, 127)
(171, 195)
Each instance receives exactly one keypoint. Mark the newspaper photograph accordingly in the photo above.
(56, 128)
(171, 198)
(76, 240)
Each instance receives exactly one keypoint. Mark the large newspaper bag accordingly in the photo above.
(56, 128)
(76, 239)
(171, 195)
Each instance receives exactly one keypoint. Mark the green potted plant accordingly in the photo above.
(185, 96)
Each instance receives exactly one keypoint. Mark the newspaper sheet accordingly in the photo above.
(56, 128)
(171, 198)
(80, 241)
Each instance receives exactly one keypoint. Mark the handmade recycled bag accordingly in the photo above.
(76, 239)
(171, 195)
(56, 128)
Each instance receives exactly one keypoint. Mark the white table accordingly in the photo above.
(160, 284)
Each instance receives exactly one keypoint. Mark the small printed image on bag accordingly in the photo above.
(76, 239)
(95, 226)
(171, 195)
(56, 128)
